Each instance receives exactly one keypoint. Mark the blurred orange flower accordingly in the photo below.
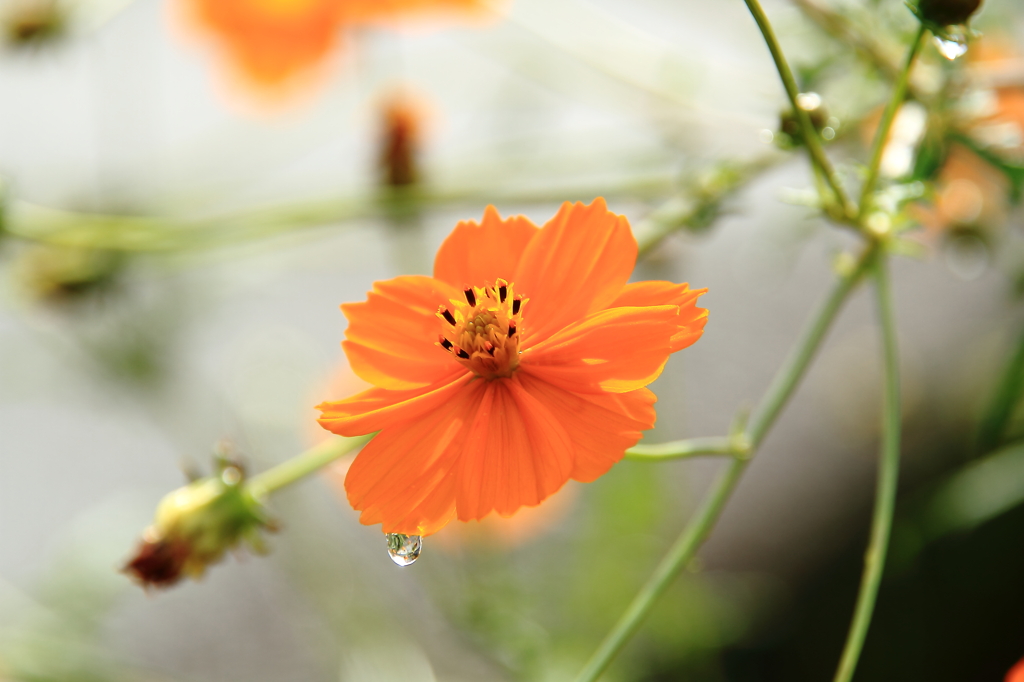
(969, 193)
(520, 364)
(1016, 673)
(271, 41)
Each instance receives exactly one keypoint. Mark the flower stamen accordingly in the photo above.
(483, 332)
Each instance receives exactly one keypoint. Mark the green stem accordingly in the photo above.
(810, 134)
(789, 376)
(297, 468)
(885, 496)
(678, 556)
(700, 525)
(679, 449)
(885, 125)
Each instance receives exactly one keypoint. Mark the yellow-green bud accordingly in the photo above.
(195, 526)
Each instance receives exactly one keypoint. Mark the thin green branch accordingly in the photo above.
(789, 376)
(700, 525)
(680, 449)
(679, 555)
(869, 47)
(885, 125)
(811, 138)
(701, 201)
(888, 474)
(300, 466)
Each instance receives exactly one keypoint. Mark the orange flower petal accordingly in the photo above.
(1016, 673)
(617, 350)
(478, 254)
(377, 408)
(391, 340)
(517, 454)
(691, 318)
(576, 264)
(399, 478)
(269, 40)
(601, 426)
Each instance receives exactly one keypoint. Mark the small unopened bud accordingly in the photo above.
(789, 123)
(947, 12)
(59, 274)
(31, 22)
(196, 525)
(399, 156)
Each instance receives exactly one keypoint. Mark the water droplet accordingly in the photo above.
(955, 47)
(766, 136)
(828, 133)
(231, 476)
(404, 549)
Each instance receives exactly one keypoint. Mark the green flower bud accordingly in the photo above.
(31, 22)
(195, 526)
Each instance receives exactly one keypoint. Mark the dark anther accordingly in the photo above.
(444, 342)
(462, 354)
(470, 296)
(489, 347)
(502, 292)
(511, 329)
(516, 304)
(447, 315)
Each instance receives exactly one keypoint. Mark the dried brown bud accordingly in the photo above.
(402, 118)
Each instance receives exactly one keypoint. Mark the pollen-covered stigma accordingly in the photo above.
(483, 330)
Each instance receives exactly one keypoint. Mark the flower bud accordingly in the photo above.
(947, 12)
(400, 141)
(195, 526)
(30, 22)
(59, 274)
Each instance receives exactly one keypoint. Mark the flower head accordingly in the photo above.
(522, 363)
(272, 42)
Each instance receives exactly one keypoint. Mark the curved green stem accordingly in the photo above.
(792, 371)
(810, 134)
(303, 465)
(679, 555)
(885, 496)
(680, 449)
(700, 525)
(885, 125)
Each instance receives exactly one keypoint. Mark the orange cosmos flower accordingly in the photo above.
(271, 41)
(520, 364)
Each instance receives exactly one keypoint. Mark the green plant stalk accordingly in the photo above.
(300, 466)
(885, 125)
(888, 474)
(811, 139)
(789, 376)
(681, 552)
(696, 531)
(1008, 393)
(680, 449)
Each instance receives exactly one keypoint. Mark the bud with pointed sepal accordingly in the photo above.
(196, 525)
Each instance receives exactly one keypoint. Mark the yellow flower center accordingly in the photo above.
(482, 331)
